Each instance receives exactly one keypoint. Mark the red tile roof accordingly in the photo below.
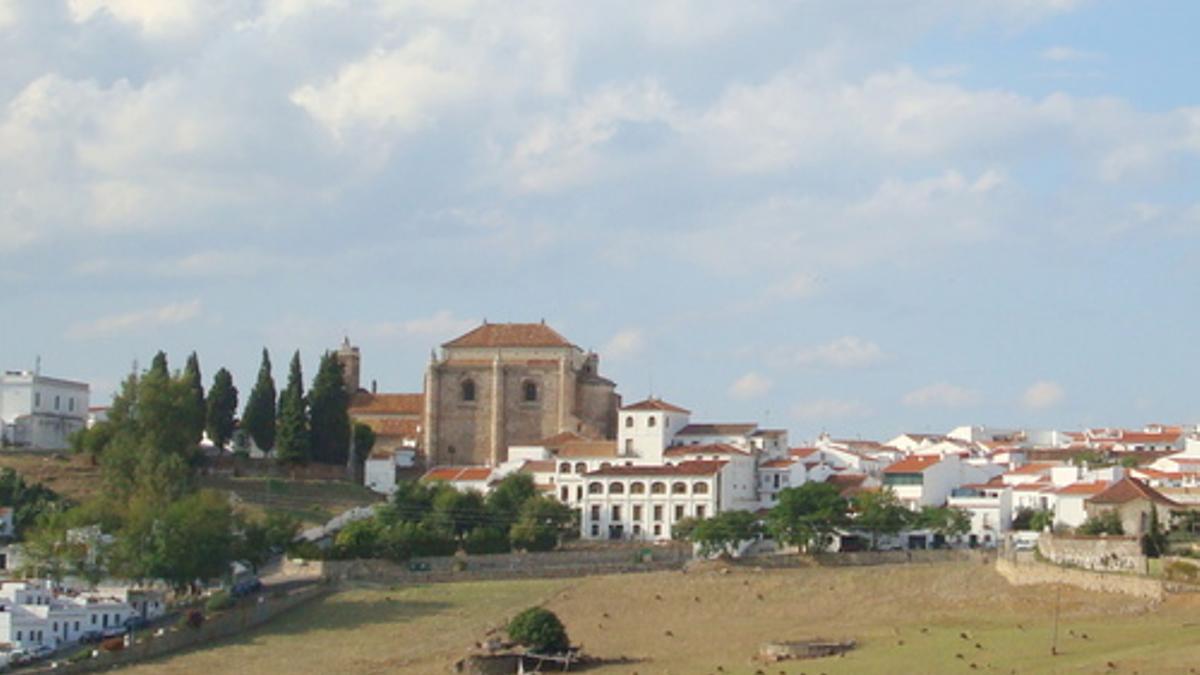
(778, 464)
(801, 452)
(585, 449)
(394, 428)
(736, 429)
(1131, 489)
(848, 484)
(1033, 468)
(560, 439)
(458, 473)
(707, 449)
(510, 335)
(366, 403)
(656, 404)
(1083, 488)
(688, 468)
(538, 466)
(913, 464)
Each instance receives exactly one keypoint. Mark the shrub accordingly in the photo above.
(484, 540)
(539, 630)
(1178, 570)
(359, 539)
(219, 601)
(1106, 522)
(305, 550)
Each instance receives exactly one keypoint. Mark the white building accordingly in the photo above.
(645, 502)
(990, 507)
(35, 613)
(41, 412)
(928, 480)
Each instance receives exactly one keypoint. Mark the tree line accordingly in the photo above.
(436, 519)
(150, 520)
(811, 515)
(294, 426)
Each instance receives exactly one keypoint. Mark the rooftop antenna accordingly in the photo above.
(37, 365)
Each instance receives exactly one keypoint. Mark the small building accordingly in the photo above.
(41, 412)
(645, 502)
(1133, 500)
(1070, 502)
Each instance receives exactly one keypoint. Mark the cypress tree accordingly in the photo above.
(259, 418)
(293, 418)
(195, 403)
(327, 404)
(222, 406)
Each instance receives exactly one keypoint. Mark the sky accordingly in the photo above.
(861, 217)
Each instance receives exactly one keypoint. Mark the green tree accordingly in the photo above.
(412, 502)
(880, 512)
(258, 539)
(28, 502)
(540, 630)
(808, 515)
(1154, 541)
(1105, 522)
(359, 539)
(456, 513)
(189, 541)
(294, 436)
(222, 407)
(946, 521)
(328, 405)
(541, 524)
(683, 528)
(364, 441)
(259, 417)
(723, 532)
(504, 502)
(196, 408)
(1041, 520)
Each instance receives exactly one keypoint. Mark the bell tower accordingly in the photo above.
(350, 359)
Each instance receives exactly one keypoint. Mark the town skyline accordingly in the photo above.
(855, 218)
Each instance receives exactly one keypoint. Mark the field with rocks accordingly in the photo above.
(938, 618)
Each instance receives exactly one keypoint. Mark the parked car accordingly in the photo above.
(40, 652)
(246, 587)
(19, 656)
(113, 631)
(90, 637)
(136, 623)
(1024, 545)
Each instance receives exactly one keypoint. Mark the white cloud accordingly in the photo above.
(401, 89)
(8, 15)
(823, 409)
(626, 344)
(1062, 54)
(1042, 395)
(153, 17)
(941, 395)
(799, 286)
(845, 352)
(171, 314)
(441, 325)
(751, 385)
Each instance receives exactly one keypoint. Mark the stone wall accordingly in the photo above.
(1112, 554)
(223, 625)
(867, 558)
(553, 564)
(1024, 573)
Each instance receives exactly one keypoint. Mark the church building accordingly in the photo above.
(507, 384)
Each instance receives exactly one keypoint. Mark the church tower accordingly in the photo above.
(350, 359)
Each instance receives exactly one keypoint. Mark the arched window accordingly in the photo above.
(637, 487)
(605, 465)
(595, 488)
(651, 422)
(616, 489)
(565, 467)
(679, 488)
(699, 488)
(629, 422)
(468, 390)
(658, 488)
(530, 391)
(580, 467)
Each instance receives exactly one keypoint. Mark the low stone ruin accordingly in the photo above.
(773, 652)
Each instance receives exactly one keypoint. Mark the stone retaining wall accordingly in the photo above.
(232, 622)
(1108, 554)
(1033, 572)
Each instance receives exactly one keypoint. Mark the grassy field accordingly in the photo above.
(948, 618)
(311, 501)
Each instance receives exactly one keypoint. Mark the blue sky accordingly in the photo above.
(861, 217)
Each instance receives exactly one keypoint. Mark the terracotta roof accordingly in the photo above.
(736, 429)
(1032, 487)
(689, 468)
(1156, 474)
(777, 464)
(913, 464)
(458, 473)
(510, 335)
(848, 484)
(382, 454)
(802, 452)
(1131, 489)
(707, 449)
(1084, 489)
(559, 439)
(538, 466)
(389, 427)
(1033, 468)
(656, 404)
(366, 403)
(584, 449)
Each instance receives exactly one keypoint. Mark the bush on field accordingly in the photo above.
(540, 630)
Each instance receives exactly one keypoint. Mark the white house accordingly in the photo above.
(41, 412)
(990, 507)
(927, 480)
(644, 502)
(645, 428)
(1070, 502)
(35, 613)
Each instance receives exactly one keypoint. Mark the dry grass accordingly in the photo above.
(69, 475)
(907, 619)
